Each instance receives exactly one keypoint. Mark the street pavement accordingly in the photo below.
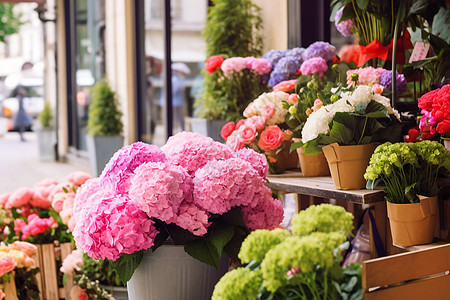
(20, 164)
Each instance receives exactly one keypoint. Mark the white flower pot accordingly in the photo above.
(169, 273)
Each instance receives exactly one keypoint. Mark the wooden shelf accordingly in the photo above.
(435, 243)
(294, 182)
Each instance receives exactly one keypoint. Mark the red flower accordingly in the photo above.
(213, 62)
(443, 127)
(285, 86)
(271, 138)
(227, 129)
(426, 101)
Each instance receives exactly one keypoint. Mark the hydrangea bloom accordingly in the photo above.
(263, 213)
(259, 242)
(192, 150)
(220, 185)
(343, 27)
(287, 65)
(320, 49)
(366, 76)
(159, 188)
(386, 81)
(297, 53)
(112, 226)
(119, 170)
(276, 78)
(233, 64)
(257, 107)
(257, 160)
(193, 218)
(239, 283)
(261, 66)
(273, 56)
(315, 65)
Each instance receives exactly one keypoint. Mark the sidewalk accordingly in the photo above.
(20, 165)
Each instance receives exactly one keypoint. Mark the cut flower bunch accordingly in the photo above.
(302, 264)
(196, 191)
(435, 107)
(407, 169)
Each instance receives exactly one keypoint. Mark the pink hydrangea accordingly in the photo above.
(315, 65)
(112, 226)
(159, 188)
(77, 178)
(119, 170)
(220, 185)
(249, 61)
(19, 198)
(266, 213)
(233, 64)
(366, 76)
(192, 150)
(88, 194)
(191, 217)
(257, 160)
(261, 66)
(4, 199)
(343, 27)
(34, 225)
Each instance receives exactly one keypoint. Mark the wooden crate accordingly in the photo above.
(47, 279)
(10, 289)
(422, 274)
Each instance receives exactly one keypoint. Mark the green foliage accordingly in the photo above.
(9, 22)
(127, 263)
(100, 270)
(104, 116)
(26, 284)
(46, 115)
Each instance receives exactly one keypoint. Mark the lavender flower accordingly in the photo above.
(287, 65)
(276, 78)
(344, 26)
(386, 81)
(320, 49)
(273, 56)
(297, 53)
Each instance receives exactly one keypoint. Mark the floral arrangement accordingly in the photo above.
(304, 264)
(359, 117)
(239, 80)
(378, 78)
(42, 213)
(16, 260)
(435, 107)
(86, 273)
(262, 129)
(407, 169)
(190, 190)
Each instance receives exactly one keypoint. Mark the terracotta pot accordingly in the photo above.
(313, 165)
(348, 164)
(413, 224)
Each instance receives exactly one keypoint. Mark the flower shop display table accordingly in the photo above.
(316, 190)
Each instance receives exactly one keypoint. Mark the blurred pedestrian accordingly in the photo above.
(23, 120)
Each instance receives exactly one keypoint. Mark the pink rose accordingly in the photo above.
(247, 133)
(227, 129)
(71, 224)
(58, 201)
(27, 248)
(293, 98)
(258, 121)
(7, 264)
(77, 178)
(4, 198)
(317, 104)
(239, 123)
(268, 111)
(73, 261)
(271, 138)
(377, 88)
(20, 197)
(234, 142)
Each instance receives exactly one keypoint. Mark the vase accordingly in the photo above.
(46, 143)
(446, 143)
(101, 149)
(312, 165)
(348, 164)
(209, 128)
(413, 223)
(170, 273)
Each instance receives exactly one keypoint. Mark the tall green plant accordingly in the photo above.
(104, 116)
(9, 21)
(46, 115)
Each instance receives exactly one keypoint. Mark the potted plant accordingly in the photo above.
(216, 102)
(193, 198)
(348, 131)
(45, 134)
(104, 126)
(302, 264)
(409, 172)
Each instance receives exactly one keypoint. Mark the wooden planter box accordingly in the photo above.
(47, 279)
(10, 290)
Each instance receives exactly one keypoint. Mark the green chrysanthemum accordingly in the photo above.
(239, 283)
(259, 242)
(322, 218)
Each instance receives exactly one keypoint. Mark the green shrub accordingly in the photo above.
(46, 115)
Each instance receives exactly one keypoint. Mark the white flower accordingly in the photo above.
(256, 107)
(317, 123)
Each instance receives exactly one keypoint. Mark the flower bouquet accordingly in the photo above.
(239, 81)
(304, 264)
(262, 130)
(409, 172)
(193, 192)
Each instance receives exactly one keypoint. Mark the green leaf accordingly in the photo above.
(127, 263)
(349, 285)
(418, 6)
(358, 295)
(375, 109)
(219, 235)
(341, 133)
(203, 251)
(233, 217)
(360, 108)
(362, 4)
(295, 146)
(233, 246)
(441, 25)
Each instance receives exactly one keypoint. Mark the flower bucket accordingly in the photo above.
(413, 224)
(348, 164)
(286, 160)
(313, 165)
(170, 273)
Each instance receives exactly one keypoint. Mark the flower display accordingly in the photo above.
(232, 65)
(314, 65)
(366, 76)
(343, 27)
(186, 186)
(407, 169)
(34, 225)
(435, 107)
(258, 107)
(386, 81)
(286, 64)
(320, 49)
(281, 264)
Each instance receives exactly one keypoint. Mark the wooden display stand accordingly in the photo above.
(10, 290)
(47, 279)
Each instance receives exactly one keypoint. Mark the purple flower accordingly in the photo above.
(297, 53)
(344, 26)
(276, 78)
(273, 56)
(320, 49)
(386, 81)
(287, 65)
(315, 65)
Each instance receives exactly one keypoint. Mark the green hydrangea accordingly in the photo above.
(433, 153)
(259, 242)
(322, 218)
(240, 283)
(306, 253)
